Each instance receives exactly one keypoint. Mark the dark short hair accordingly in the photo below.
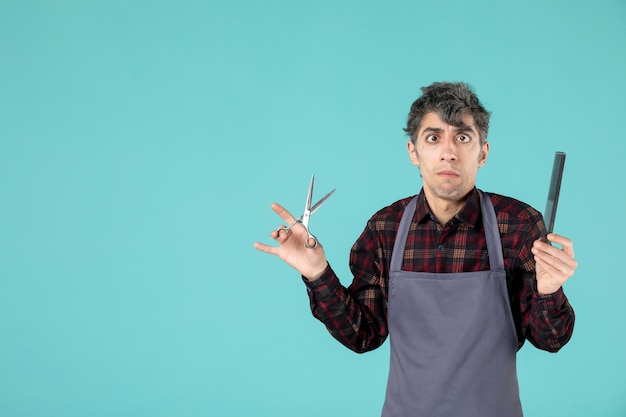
(451, 101)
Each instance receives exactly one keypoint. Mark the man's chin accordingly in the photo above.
(451, 193)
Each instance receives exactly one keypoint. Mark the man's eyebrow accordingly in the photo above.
(464, 128)
(432, 129)
(460, 128)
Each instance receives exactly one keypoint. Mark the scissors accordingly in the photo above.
(308, 212)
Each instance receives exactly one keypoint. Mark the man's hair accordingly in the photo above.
(451, 102)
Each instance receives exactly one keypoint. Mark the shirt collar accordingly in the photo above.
(468, 215)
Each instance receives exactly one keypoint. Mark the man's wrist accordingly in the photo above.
(314, 276)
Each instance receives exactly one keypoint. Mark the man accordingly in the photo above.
(457, 278)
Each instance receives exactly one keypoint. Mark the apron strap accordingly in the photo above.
(397, 256)
(490, 223)
(492, 232)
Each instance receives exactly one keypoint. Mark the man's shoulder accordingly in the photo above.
(512, 208)
(393, 212)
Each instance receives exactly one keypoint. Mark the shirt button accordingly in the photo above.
(440, 247)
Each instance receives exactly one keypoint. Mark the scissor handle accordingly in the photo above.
(306, 244)
(287, 230)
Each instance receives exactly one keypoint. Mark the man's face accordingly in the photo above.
(448, 157)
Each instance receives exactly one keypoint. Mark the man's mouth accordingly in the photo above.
(448, 173)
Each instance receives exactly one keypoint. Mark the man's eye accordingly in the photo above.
(463, 138)
(431, 138)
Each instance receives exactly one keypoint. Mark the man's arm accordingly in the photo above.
(355, 316)
(547, 316)
(551, 321)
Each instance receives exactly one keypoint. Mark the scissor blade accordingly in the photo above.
(304, 219)
(309, 197)
(322, 201)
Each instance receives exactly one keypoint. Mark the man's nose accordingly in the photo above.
(448, 150)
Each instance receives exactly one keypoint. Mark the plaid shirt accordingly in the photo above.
(357, 316)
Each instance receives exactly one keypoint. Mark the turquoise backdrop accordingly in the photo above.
(142, 142)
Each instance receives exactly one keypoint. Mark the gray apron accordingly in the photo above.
(452, 337)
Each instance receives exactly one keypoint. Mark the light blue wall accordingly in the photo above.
(142, 142)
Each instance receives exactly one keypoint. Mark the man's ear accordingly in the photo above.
(483, 154)
(413, 153)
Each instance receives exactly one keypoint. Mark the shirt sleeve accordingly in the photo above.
(547, 320)
(357, 315)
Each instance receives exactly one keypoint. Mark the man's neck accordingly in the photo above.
(444, 210)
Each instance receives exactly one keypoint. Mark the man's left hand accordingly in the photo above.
(554, 265)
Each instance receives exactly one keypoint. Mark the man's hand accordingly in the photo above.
(310, 262)
(554, 265)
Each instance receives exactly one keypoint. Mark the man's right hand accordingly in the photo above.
(310, 262)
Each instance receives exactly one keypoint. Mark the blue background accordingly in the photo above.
(142, 142)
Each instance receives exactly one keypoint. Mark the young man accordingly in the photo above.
(456, 277)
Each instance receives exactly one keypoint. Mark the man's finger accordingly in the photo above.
(567, 244)
(283, 213)
(272, 250)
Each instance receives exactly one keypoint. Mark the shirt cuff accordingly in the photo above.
(325, 286)
(551, 301)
